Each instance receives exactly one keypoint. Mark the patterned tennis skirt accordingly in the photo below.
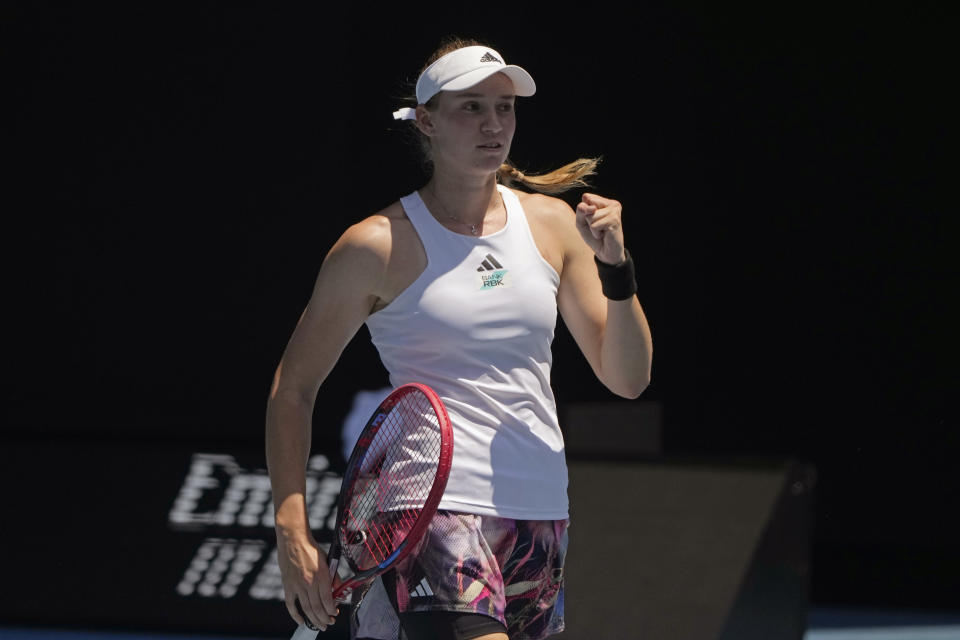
(510, 570)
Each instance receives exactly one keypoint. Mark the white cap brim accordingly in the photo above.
(523, 84)
(469, 66)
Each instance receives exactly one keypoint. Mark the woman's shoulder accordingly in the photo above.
(553, 224)
(543, 207)
(377, 231)
(548, 214)
(383, 246)
(384, 252)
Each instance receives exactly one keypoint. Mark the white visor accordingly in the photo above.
(462, 69)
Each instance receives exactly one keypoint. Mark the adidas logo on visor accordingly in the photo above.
(489, 57)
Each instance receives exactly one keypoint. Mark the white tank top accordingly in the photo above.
(477, 326)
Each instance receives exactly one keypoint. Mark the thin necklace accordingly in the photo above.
(474, 230)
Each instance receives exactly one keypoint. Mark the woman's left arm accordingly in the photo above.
(612, 334)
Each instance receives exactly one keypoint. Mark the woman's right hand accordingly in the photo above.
(306, 579)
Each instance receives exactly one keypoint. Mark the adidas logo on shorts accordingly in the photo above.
(423, 589)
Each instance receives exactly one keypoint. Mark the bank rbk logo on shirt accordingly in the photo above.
(492, 274)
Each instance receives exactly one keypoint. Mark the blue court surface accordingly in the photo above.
(824, 624)
(844, 624)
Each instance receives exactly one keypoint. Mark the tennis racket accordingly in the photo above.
(392, 485)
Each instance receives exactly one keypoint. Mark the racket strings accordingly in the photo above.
(395, 477)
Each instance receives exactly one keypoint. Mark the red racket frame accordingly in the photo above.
(430, 504)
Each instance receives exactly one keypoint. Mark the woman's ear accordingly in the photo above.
(424, 120)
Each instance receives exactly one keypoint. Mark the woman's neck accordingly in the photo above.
(467, 201)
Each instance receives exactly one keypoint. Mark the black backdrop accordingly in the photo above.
(175, 177)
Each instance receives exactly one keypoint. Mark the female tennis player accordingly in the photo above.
(460, 283)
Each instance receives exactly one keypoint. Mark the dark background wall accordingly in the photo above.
(175, 178)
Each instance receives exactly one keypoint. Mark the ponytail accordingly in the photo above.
(557, 181)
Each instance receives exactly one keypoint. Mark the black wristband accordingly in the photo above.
(618, 281)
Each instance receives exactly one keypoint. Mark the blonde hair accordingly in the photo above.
(559, 180)
(569, 176)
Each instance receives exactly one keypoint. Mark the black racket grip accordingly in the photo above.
(306, 620)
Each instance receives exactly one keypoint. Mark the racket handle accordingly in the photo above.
(303, 633)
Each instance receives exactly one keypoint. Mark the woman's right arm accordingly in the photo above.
(344, 293)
